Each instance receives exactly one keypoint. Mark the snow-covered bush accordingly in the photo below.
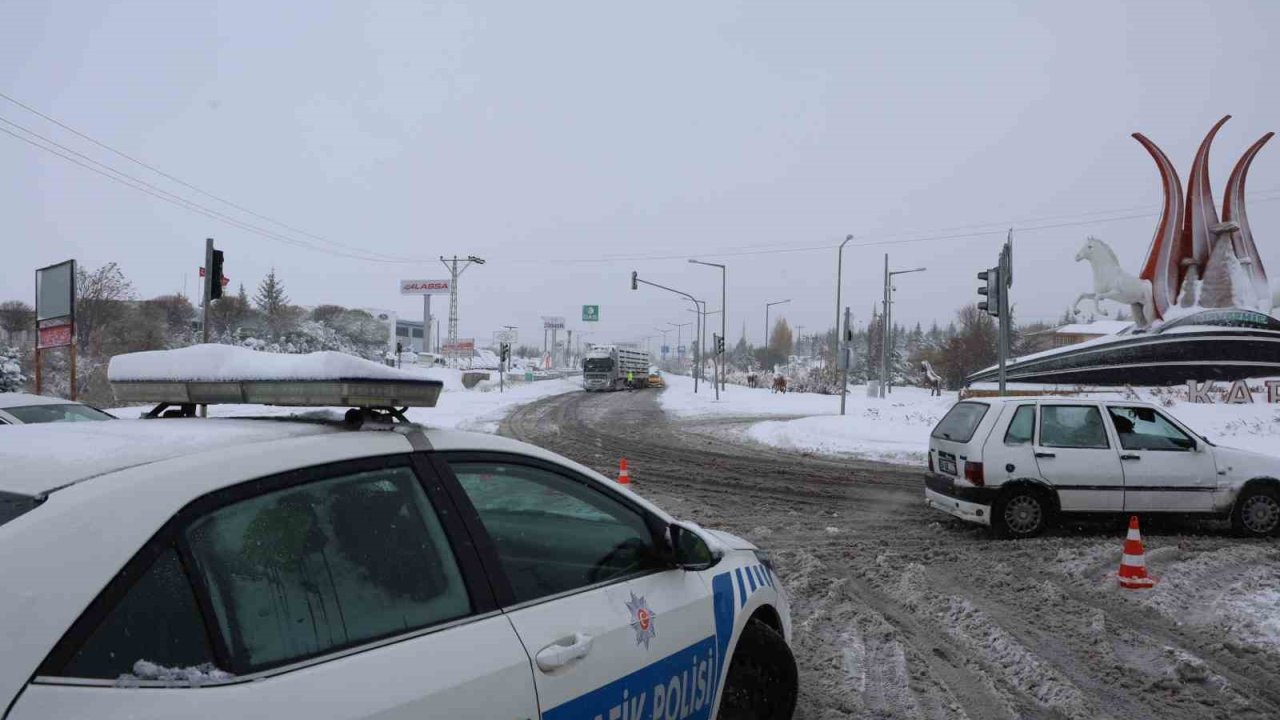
(11, 377)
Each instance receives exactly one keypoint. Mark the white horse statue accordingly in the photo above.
(1112, 283)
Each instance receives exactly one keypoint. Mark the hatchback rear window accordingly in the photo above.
(12, 505)
(961, 422)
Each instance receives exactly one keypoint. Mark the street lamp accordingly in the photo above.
(766, 324)
(886, 336)
(844, 374)
(678, 327)
(723, 280)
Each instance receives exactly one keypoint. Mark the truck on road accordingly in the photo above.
(607, 367)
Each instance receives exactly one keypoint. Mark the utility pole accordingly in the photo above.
(723, 309)
(454, 273)
(766, 325)
(635, 285)
(886, 340)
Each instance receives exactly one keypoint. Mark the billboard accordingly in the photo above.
(55, 291)
(590, 313)
(552, 322)
(464, 346)
(424, 287)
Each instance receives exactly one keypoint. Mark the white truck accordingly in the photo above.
(607, 367)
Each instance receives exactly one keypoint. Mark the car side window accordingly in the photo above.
(554, 533)
(1072, 426)
(155, 626)
(1022, 426)
(1145, 429)
(314, 568)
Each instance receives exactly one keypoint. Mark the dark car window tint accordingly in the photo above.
(553, 533)
(1072, 426)
(313, 568)
(1022, 426)
(68, 412)
(157, 623)
(1146, 429)
(961, 422)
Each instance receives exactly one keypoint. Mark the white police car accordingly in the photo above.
(232, 568)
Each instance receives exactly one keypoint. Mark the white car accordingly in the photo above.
(1016, 463)
(180, 567)
(24, 409)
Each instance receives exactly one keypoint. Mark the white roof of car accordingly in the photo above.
(12, 399)
(1057, 399)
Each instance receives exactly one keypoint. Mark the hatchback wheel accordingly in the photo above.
(1257, 512)
(1022, 512)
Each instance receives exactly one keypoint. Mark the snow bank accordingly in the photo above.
(230, 363)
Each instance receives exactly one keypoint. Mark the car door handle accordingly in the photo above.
(1130, 457)
(563, 652)
(1041, 453)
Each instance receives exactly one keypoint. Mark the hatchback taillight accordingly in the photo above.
(973, 473)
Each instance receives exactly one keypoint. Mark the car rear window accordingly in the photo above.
(12, 505)
(961, 421)
(69, 412)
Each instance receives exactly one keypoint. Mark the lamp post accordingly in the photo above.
(678, 327)
(886, 337)
(844, 374)
(766, 324)
(723, 310)
(635, 281)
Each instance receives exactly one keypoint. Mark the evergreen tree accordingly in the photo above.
(273, 303)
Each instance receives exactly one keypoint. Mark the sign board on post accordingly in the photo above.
(552, 322)
(464, 346)
(590, 313)
(56, 315)
(504, 336)
(425, 287)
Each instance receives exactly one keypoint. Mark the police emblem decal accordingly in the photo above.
(642, 620)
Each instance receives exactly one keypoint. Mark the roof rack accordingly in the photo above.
(377, 400)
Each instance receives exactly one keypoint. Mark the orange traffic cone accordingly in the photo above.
(1133, 566)
(624, 475)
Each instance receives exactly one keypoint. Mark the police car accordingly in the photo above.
(224, 568)
(1017, 463)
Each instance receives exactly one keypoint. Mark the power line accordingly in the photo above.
(143, 186)
(186, 184)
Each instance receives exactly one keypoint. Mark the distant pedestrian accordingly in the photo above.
(631, 380)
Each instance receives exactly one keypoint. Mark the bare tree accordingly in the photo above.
(100, 302)
(16, 316)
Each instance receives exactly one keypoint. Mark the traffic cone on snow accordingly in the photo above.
(1133, 565)
(624, 475)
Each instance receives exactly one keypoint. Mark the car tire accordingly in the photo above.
(762, 683)
(1257, 512)
(1021, 512)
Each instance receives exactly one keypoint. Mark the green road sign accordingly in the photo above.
(590, 313)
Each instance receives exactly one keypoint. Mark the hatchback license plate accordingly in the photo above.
(947, 465)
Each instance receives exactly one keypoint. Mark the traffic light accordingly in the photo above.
(991, 291)
(634, 284)
(215, 276)
(505, 352)
(719, 344)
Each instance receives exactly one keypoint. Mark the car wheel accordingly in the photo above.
(1257, 512)
(763, 680)
(1021, 512)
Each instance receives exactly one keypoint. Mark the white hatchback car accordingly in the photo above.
(1015, 463)
(180, 567)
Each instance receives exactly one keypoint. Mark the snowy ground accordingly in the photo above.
(480, 408)
(896, 429)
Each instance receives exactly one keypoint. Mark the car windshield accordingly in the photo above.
(597, 365)
(62, 412)
(960, 423)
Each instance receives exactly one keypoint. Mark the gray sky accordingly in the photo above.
(562, 140)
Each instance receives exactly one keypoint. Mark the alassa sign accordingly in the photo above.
(424, 287)
(1238, 394)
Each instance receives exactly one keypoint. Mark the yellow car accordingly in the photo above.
(656, 381)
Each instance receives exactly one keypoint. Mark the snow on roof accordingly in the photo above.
(1097, 327)
(230, 363)
(39, 458)
(14, 400)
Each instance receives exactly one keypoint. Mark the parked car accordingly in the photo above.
(24, 409)
(392, 571)
(1018, 463)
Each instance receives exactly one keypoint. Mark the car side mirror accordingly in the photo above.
(689, 550)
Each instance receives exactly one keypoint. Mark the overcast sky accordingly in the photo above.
(570, 143)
